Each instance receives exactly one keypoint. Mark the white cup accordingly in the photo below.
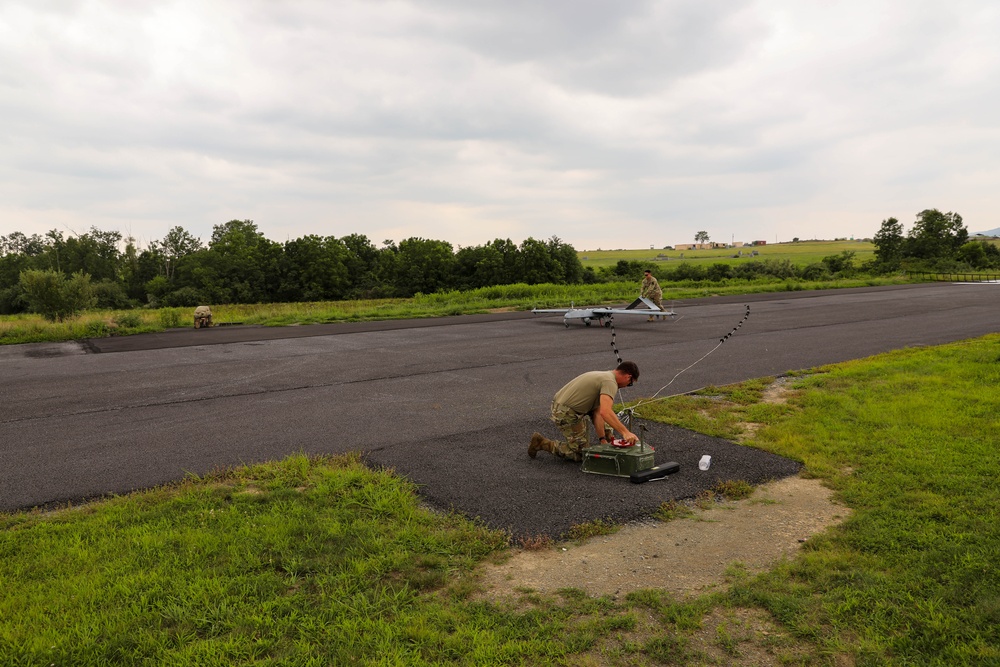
(705, 461)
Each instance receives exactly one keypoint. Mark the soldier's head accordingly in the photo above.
(627, 373)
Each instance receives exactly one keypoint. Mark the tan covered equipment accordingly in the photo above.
(202, 317)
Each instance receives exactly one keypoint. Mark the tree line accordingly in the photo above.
(937, 242)
(240, 265)
(56, 275)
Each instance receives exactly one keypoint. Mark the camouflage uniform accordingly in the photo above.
(651, 290)
(574, 428)
(202, 317)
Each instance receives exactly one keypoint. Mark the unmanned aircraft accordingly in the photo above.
(599, 313)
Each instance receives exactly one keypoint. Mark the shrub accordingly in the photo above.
(688, 271)
(170, 318)
(54, 296)
(816, 271)
(128, 320)
(96, 329)
(11, 301)
(110, 295)
(582, 531)
(719, 272)
(733, 489)
(629, 269)
(185, 296)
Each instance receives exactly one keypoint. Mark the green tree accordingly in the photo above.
(701, 237)
(363, 264)
(95, 253)
(842, 264)
(565, 255)
(936, 235)
(477, 266)
(178, 243)
(506, 272)
(495, 263)
(537, 265)
(55, 243)
(17, 243)
(241, 263)
(313, 268)
(54, 296)
(889, 244)
(424, 265)
(629, 269)
(979, 255)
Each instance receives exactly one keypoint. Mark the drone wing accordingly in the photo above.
(604, 312)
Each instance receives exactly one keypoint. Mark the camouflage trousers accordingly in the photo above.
(574, 428)
(655, 297)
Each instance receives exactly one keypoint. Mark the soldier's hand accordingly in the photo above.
(630, 438)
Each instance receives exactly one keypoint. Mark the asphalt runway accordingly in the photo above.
(449, 403)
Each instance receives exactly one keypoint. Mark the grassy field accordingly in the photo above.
(31, 328)
(799, 254)
(324, 562)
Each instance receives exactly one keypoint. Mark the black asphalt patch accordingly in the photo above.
(548, 495)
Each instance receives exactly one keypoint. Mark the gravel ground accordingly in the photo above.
(496, 464)
(685, 556)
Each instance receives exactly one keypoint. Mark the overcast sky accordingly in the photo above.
(611, 124)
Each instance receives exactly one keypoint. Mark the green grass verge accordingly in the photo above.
(30, 328)
(322, 561)
(909, 440)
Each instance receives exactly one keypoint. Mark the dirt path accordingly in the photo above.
(686, 556)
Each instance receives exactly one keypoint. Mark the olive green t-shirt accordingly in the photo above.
(582, 394)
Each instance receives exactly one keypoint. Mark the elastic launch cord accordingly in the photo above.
(717, 346)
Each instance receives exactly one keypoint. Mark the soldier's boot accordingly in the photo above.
(541, 443)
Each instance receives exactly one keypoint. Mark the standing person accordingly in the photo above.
(651, 290)
(590, 395)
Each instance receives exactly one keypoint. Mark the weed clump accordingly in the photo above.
(733, 489)
(582, 531)
(671, 509)
(536, 542)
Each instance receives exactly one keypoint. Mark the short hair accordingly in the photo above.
(648, 271)
(630, 368)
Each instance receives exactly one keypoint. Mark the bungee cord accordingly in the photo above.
(611, 323)
(628, 412)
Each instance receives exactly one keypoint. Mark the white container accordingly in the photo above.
(705, 461)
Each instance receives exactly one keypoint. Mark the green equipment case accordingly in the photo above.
(617, 461)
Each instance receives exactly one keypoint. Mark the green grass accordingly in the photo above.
(799, 254)
(30, 328)
(909, 440)
(322, 561)
(307, 561)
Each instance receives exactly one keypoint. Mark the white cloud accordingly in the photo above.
(607, 124)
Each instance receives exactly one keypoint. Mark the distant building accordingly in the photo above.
(760, 243)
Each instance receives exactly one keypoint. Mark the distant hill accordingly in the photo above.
(988, 232)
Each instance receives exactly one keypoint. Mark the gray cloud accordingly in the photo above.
(593, 121)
